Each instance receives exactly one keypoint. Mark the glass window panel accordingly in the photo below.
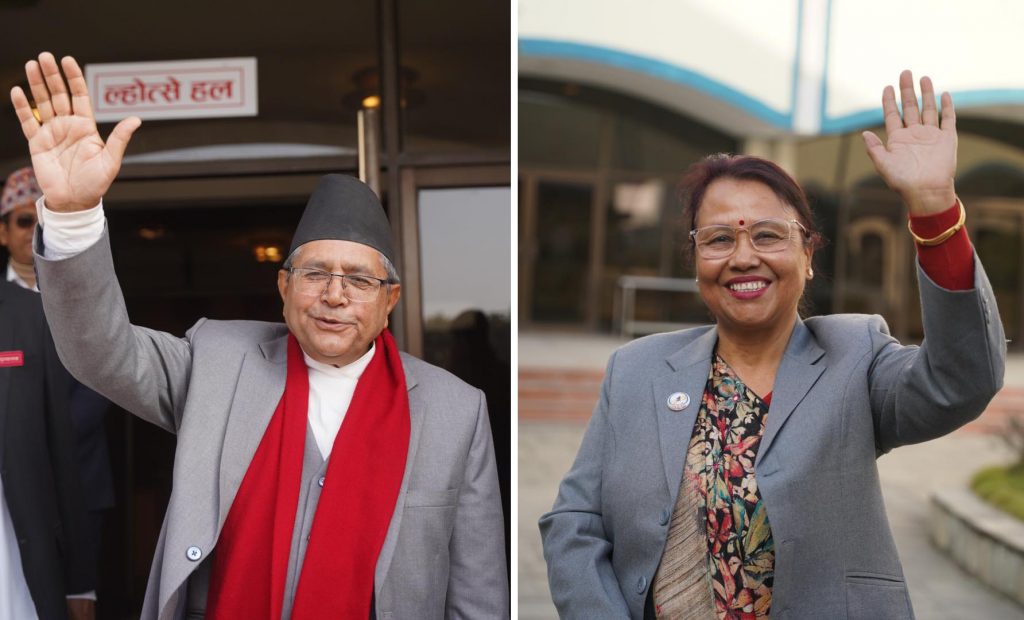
(466, 254)
(466, 262)
(556, 133)
(642, 239)
(563, 251)
(869, 263)
(999, 248)
(634, 226)
(641, 146)
(865, 273)
(466, 250)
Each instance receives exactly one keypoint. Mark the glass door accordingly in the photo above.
(457, 286)
(561, 240)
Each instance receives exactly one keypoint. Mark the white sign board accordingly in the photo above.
(175, 89)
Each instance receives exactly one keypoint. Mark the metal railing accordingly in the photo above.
(626, 306)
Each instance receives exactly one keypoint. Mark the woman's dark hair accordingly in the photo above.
(700, 175)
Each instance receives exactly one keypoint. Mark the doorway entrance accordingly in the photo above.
(556, 242)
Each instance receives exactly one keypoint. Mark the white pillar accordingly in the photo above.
(780, 150)
(785, 155)
(758, 147)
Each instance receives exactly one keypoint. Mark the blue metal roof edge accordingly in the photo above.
(658, 69)
(961, 99)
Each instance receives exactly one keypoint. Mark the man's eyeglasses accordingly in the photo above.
(719, 241)
(357, 287)
(24, 221)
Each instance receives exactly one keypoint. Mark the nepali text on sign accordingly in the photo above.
(176, 89)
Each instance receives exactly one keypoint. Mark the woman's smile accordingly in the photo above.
(748, 287)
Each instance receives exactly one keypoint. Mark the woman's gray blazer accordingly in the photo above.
(845, 393)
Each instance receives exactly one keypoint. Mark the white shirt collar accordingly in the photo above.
(12, 276)
(330, 394)
(353, 370)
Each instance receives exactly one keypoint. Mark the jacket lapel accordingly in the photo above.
(690, 366)
(387, 550)
(797, 374)
(257, 394)
(799, 370)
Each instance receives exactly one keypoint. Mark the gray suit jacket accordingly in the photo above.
(845, 392)
(217, 389)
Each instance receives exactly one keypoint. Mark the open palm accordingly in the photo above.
(72, 164)
(919, 159)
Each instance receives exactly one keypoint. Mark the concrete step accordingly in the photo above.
(570, 394)
(558, 393)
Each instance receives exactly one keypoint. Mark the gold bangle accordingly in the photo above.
(952, 230)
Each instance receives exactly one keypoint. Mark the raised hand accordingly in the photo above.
(73, 166)
(919, 158)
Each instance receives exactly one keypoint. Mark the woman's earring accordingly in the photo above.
(810, 273)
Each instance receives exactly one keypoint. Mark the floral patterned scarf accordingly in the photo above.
(720, 555)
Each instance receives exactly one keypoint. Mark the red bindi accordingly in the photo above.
(741, 222)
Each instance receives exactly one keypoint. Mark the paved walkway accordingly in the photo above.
(939, 589)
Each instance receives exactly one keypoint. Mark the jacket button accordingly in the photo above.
(320, 481)
(641, 585)
(194, 553)
(665, 516)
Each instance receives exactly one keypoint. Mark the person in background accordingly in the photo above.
(18, 224)
(45, 567)
(87, 408)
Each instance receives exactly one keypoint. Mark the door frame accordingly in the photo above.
(529, 180)
(413, 179)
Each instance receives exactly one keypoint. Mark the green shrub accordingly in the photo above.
(1002, 487)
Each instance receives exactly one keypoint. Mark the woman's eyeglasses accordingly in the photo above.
(719, 240)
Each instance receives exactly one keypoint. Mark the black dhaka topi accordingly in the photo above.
(344, 208)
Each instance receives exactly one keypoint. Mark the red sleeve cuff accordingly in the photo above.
(949, 264)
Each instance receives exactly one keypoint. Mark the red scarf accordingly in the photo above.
(364, 475)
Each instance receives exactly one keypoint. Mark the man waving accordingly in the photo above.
(318, 472)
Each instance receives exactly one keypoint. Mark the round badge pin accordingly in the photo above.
(678, 401)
